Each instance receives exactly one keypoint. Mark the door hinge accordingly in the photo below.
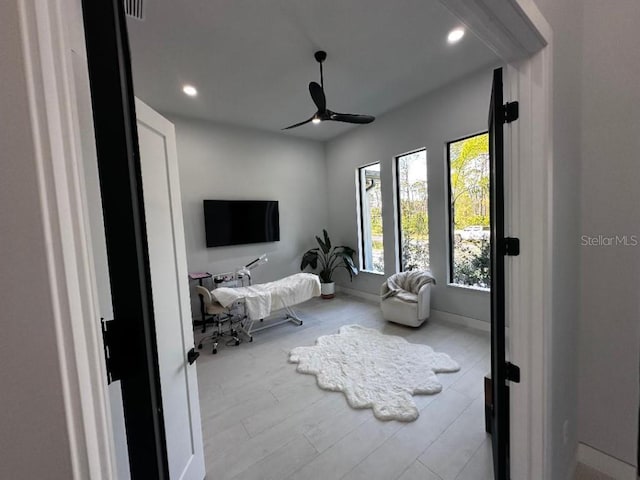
(111, 340)
(511, 246)
(513, 373)
(511, 111)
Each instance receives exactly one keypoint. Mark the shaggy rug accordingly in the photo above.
(374, 370)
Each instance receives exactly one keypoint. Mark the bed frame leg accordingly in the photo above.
(292, 317)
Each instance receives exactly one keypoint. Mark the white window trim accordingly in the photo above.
(360, 219)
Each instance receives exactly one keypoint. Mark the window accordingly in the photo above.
(468, 161)
(371, 218)
(413, 214)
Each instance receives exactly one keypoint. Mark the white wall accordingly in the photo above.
(610, 324)
(597, 173)
(224, 162)
(449, 113)
(34, 436)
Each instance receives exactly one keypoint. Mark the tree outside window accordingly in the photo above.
(413, 210)
(469, 211)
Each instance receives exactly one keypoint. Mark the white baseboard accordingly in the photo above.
(435, 316)
(448, 317)
(606, 464)
(358, 293)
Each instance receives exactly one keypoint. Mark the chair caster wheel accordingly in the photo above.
(301, 322)
(215, 350)
(237, 342)
(250, 339)
(199, 346)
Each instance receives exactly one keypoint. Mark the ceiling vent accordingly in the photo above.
(134, 9)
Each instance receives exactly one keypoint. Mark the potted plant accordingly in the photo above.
(328, 259)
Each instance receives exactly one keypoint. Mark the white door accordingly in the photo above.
(170, 286)
(167, 258)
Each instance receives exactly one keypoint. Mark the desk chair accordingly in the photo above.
(219, 315)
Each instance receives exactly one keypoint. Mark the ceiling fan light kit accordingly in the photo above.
(316, 90)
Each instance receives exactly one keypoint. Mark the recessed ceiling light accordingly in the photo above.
(316, 120)
(455, 35)
(190, 90)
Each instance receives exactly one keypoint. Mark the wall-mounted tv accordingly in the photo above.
(237, 222)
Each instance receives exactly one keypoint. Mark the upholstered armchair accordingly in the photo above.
(406, 298)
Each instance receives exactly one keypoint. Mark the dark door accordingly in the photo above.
(130, 337)
(501, 371)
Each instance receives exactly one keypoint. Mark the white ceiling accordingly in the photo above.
(252, 60)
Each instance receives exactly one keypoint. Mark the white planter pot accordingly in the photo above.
(328, 290)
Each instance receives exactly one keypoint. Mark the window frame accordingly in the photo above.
(398, 213)
(361, 222)
(451, 232)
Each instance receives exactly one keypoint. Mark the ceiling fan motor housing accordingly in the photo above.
(320, 56)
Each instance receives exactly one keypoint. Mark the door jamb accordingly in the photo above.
(47, 45)
(49, 31)
(519, 34)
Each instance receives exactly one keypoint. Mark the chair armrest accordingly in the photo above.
(384, 288)
(424, 289)
(424, 301)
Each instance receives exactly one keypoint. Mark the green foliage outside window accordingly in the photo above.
(469, 181)
(414, 214)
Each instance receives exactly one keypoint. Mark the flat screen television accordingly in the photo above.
(237, 222)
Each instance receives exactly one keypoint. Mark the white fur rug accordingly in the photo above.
(374, 370)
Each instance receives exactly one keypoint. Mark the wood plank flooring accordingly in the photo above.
(262, 420)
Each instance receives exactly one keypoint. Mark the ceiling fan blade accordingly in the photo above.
(351, 118)
(317, 94)
(298, 124)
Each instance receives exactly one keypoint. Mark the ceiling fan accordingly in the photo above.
(323, 114)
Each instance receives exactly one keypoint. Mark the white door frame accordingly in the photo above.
(50, 31)
(519, 34)
(514, 29)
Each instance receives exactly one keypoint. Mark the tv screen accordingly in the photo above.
(236, 222)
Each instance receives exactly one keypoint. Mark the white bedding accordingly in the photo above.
(261, 299)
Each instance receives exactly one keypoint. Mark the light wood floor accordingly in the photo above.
(263, 420)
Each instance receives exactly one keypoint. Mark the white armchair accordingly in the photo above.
(406, 298)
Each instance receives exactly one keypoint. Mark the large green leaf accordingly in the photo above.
(349, 264)
(329, 259)
(323, 245)
(348, 250)
(327, 242)
(310, 258)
